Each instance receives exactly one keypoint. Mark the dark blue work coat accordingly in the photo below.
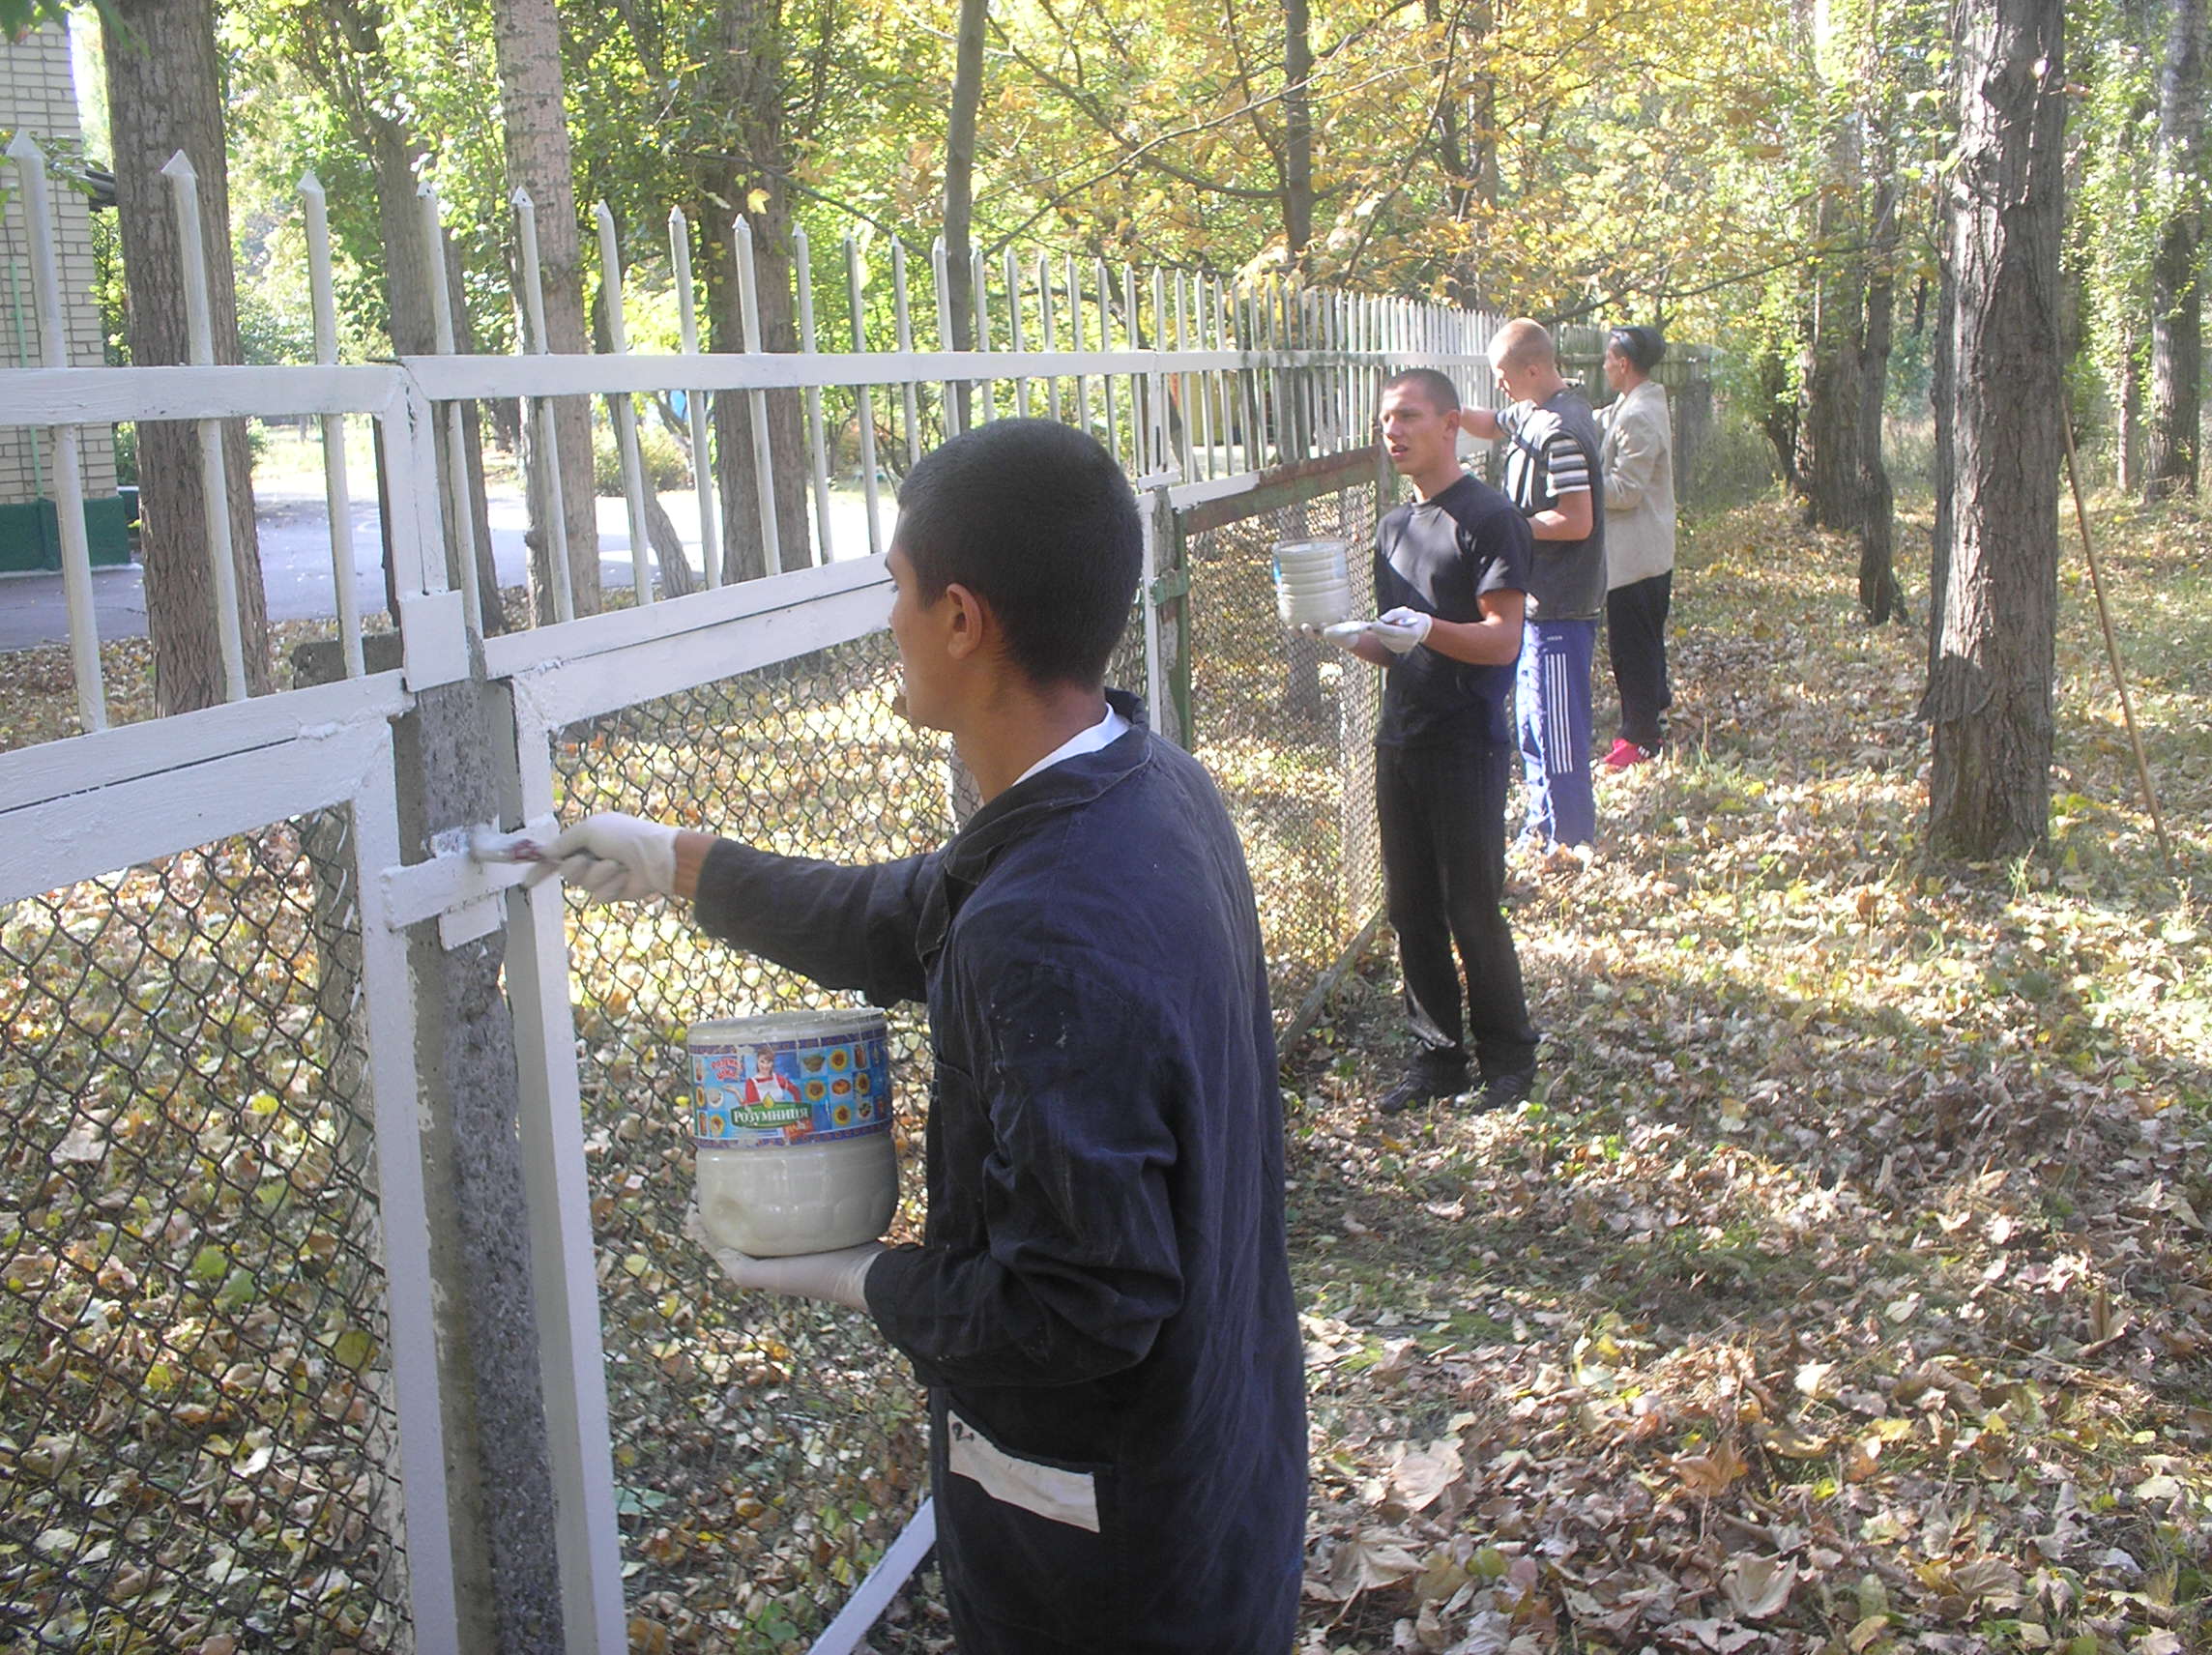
(1101, 1307)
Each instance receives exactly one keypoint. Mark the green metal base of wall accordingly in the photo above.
(31, 539)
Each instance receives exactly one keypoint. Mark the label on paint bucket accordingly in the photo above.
(790, 1124)
(768, 1082)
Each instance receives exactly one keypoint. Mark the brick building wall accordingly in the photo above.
(38, 95)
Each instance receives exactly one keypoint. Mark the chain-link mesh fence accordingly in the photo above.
(196, 1433)
(1286, 724)
(766, 1451)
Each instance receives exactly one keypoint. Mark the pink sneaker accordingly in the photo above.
(1625, 753)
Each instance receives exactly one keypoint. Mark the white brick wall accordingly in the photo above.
(37, 95)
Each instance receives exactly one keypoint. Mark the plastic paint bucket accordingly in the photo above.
(1313, 584)
(792, 1126)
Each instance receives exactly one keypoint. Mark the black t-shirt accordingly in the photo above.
(1441, 556)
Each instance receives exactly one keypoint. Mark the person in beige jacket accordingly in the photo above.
(1638, 459)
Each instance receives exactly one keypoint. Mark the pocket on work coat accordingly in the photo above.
(1028, 1544)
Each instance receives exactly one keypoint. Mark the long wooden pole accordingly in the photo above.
(2112, 645)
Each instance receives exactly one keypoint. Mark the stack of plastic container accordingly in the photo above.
(1312, 588)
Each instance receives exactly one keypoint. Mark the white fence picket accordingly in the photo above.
(68, 478)
(864, 400)
(337, 497)
(694, 405)
(904, 315)
(756, 401)
(460, 518)
(625, 408)
(817, 454)
(215, 476)
(551, 512)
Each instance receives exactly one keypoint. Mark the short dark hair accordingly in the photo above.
(1437, 388)
(1641, 346)
(1037, 519)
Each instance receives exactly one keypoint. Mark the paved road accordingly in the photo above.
(296, 563)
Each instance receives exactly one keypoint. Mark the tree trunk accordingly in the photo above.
(1467, 146)
(359, 84)
(747, 77)
(1827, 461)
(1482, 110)
(2127, 420)
(1828, 381)
(406, 275)
(1880, 597)
(2177, 304)
(1941, 382)
(527, 37)
(164, 94)
(676, 577)
(1297, 130)
(1990, 694)
(1778, 414)
(960, 183)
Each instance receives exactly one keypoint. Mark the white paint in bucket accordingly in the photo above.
(792, 1127)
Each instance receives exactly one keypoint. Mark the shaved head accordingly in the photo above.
(1520, 345)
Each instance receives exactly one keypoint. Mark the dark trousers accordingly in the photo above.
(1636, 637)
(1442, 813)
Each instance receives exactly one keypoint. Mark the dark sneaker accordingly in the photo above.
(1503, 1091)
(1418, 1089)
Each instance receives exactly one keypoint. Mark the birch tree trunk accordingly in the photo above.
(164, 94)
(1994, 634)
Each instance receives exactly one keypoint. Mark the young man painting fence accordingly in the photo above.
(1100, 1305)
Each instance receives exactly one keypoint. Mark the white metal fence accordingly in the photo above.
(1197, 385)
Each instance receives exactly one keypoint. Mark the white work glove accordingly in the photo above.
(840, 1277)
(615, 857)
(1399, 630)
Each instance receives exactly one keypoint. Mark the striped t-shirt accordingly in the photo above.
(1552, 450)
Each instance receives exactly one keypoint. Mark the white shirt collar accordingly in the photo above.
(1108, 729)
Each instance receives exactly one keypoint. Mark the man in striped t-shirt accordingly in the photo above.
(1552, 474)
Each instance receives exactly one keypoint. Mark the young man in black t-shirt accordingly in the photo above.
(1451, 569)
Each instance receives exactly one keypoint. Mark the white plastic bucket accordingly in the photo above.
(792, 1128)
(1312, 584)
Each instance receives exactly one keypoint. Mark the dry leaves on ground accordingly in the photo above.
(1846, 1289)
